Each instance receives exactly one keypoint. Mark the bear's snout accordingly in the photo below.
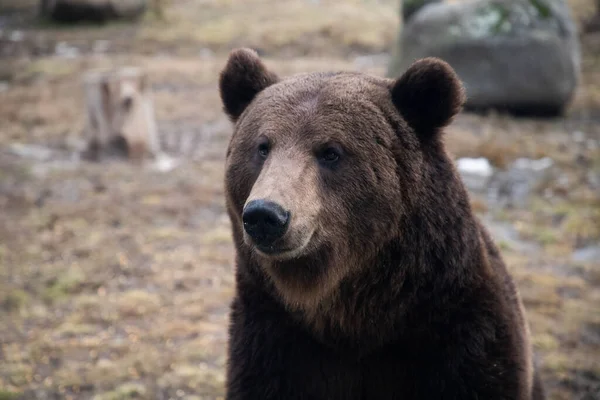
(265, 222)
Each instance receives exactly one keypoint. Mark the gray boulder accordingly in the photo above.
(71, 11)
(521, 56)
(410, 7)
(407, 8)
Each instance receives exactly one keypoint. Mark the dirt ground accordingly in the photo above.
(115, 279)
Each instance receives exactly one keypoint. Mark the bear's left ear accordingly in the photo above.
(243, 77)
(428, 95)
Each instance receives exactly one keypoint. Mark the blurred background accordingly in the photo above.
(116, 275)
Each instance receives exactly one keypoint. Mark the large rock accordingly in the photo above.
(410, 7)
(407, 9)
(69, 11)
(518, 55)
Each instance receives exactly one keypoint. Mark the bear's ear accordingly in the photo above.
(428, 95)
(243, 77)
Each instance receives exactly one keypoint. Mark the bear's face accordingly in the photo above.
(321, 166)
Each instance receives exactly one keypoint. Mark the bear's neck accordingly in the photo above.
(407, 280)
(437, 260)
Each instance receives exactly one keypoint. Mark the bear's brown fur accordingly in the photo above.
(362, 272)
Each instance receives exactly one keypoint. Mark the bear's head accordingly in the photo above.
(323, 169)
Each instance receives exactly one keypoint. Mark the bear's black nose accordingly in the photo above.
(265, 221)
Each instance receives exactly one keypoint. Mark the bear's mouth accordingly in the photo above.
(284, 253)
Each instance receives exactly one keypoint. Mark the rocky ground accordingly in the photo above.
(115, 279)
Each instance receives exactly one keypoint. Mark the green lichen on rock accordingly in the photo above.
(489, 19)
(542, 8)
(501, 18)
(502, 24)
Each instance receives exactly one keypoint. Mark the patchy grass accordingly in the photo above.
(62, 286)
(48, 69)
(274, 26)
(124, 392)
(115, 280)
(15, 300)
(327, 28)
(136, 303)
(9, 395)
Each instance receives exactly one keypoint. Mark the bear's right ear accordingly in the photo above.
(428, 95)
(243, 77)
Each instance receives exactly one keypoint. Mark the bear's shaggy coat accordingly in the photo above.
(385, 285)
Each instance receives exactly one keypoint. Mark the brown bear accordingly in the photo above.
(361, 270)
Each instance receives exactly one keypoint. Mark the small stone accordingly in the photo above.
(105, 363)
(480, 166)
(475, 172)
(206, 54)
(64, 50)
(587, 254)
(17, 36)
(38, 153)
(514, 186)
(533, 165)
(164, 163)
(101, 46)
(578, 136)
(593, 179)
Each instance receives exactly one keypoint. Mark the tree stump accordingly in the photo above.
(120, 115)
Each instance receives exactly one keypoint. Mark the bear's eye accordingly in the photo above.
(263, 149)
(329, 155)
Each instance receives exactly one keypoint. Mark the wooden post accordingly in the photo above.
(120, 114)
